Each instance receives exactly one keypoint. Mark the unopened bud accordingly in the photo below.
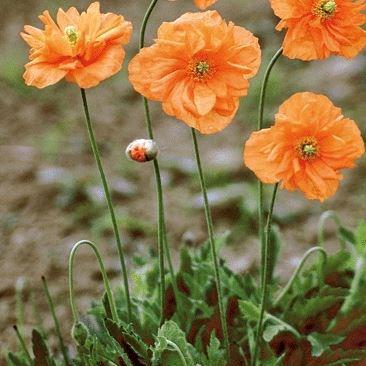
(80, 333)
(142, 150)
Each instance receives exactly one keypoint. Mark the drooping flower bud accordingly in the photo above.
(79, 333)
(142, 150)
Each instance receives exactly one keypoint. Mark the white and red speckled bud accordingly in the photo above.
(142, 150)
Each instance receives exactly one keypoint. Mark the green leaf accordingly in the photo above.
(249, 310)
(252, 313)
(272, 330)
(347, 235)
(135, 349)
(360, 236)
(15, 360)
(321, 342)
(163, 354)
(215, 354)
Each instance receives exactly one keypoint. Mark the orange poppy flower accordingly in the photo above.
(202, 4)
(306, 148)
(198, 68)
(317, 29)
(84, 48)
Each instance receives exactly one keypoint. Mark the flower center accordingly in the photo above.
(200, 70)
(72, 34)
(307, 148)
(325, 9)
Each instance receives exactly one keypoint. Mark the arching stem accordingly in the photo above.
(326, 216)
(177, 349)
(259, 127)
(287, 288)
(163, 247)
(104, 275)
(264, 289)
(211, 235)
(96, 153)
(55, 320)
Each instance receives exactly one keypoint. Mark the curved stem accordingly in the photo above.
(145, 21)
(287, 288)
(23, 345)
(212, 244)
(259, 127)
(325, 216)
(264, 289)
(177, 349)
(104, 275)
(96, 154)
(162, 236)
(283, 323)
(55, 320)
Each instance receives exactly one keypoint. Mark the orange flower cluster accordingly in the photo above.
(84, 48)
(202, 4)
(198, 68)
(317, 29)
(307, 147)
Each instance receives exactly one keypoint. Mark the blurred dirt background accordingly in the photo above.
(50, 195)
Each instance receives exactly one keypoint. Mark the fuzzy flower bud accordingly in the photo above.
(80, 333)
(142, 150)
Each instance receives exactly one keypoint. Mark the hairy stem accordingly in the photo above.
(264, 289)
(104, 275)
(177, 349)
(23, 345)
(287, 288)
(326, 216)
(259, 127)
(163, 249)
(55, 320)
(212, 243)
(98, 161)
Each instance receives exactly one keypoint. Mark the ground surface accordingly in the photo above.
(50, 195)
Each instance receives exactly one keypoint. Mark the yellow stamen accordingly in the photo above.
(200, 70)
(307, 148)
(72, 34)
(325, 9)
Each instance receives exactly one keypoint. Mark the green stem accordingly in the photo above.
(19, 305)
(23, 345)
(259, 127)
(355, 286)
(96, 154)
(145, 21)
(177, 349)
(104, 275)
(162, 236)
(159, 191)
(264, 289)
(287, 288)
(283, 323)
(37, 315)
(55, 320)
(325, 216)
(212, 244)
